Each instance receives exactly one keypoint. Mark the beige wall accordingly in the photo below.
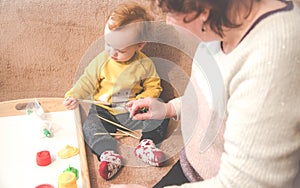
(42, 43)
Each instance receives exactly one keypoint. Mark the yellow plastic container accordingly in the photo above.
(67, 180)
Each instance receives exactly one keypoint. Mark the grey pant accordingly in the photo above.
(151, 129)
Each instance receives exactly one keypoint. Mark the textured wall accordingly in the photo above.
(42, 43)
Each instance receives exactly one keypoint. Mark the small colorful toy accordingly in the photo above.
(43, 158)
(67, 180)
(67, 152)
(72, 169)
(46, 132)
(45, 186)
(143, 110)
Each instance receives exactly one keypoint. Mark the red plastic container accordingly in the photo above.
(44, 186)
(43, 158)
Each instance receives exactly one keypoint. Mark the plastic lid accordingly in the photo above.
(43, 158)
(73, 170)
(67, 179)
(44, 186)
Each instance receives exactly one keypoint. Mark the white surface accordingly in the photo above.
(20, 140)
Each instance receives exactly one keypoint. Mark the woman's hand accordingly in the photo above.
(155, 109)
(126, 186)
(70, 103)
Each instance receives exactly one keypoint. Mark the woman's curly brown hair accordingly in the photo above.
(221, 11)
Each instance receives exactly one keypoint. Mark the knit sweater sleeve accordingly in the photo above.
(176, 102)
(151, 84)
(88, 82)
(262, 136)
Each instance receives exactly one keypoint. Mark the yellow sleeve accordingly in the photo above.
(87, 84)
(151, 84)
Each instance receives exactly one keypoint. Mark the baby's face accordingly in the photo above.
(121, 44)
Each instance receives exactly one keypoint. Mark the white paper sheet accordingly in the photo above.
(21, 139)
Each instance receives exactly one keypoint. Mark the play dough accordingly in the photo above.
(68, 152)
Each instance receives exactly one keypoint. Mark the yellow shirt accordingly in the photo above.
(107, 80)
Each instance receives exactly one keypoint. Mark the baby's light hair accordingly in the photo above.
(129, 13)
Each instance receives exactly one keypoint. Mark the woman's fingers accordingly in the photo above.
(135, 109)
(143, 116)
(148, 108)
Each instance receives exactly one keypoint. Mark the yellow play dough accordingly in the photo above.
(68, 152)
(67, 180)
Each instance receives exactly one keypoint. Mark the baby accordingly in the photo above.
(120, 74)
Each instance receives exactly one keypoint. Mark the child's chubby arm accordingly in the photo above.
(87, 83)
(152, 83)
(70, 103)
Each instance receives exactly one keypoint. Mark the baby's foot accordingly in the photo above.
(110, 164)
(149, 153)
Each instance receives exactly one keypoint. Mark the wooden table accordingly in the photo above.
(135, 171)
(18, 144)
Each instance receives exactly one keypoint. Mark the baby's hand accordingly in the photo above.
(70, 103)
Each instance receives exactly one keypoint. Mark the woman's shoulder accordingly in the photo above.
(277, 32)
(283, 24)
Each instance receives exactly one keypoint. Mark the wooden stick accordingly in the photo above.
(116, 124)
(94, 102)
(112, 134)
(129, 134)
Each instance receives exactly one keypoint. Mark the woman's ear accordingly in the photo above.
(141, 45)
(205, 14)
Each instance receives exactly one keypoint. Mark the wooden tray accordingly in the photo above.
(20, 141)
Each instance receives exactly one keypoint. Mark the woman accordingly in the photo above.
(256, 51)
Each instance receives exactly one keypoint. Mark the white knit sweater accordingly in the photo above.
(261, 146)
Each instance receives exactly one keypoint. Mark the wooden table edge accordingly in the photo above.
(52, 104)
